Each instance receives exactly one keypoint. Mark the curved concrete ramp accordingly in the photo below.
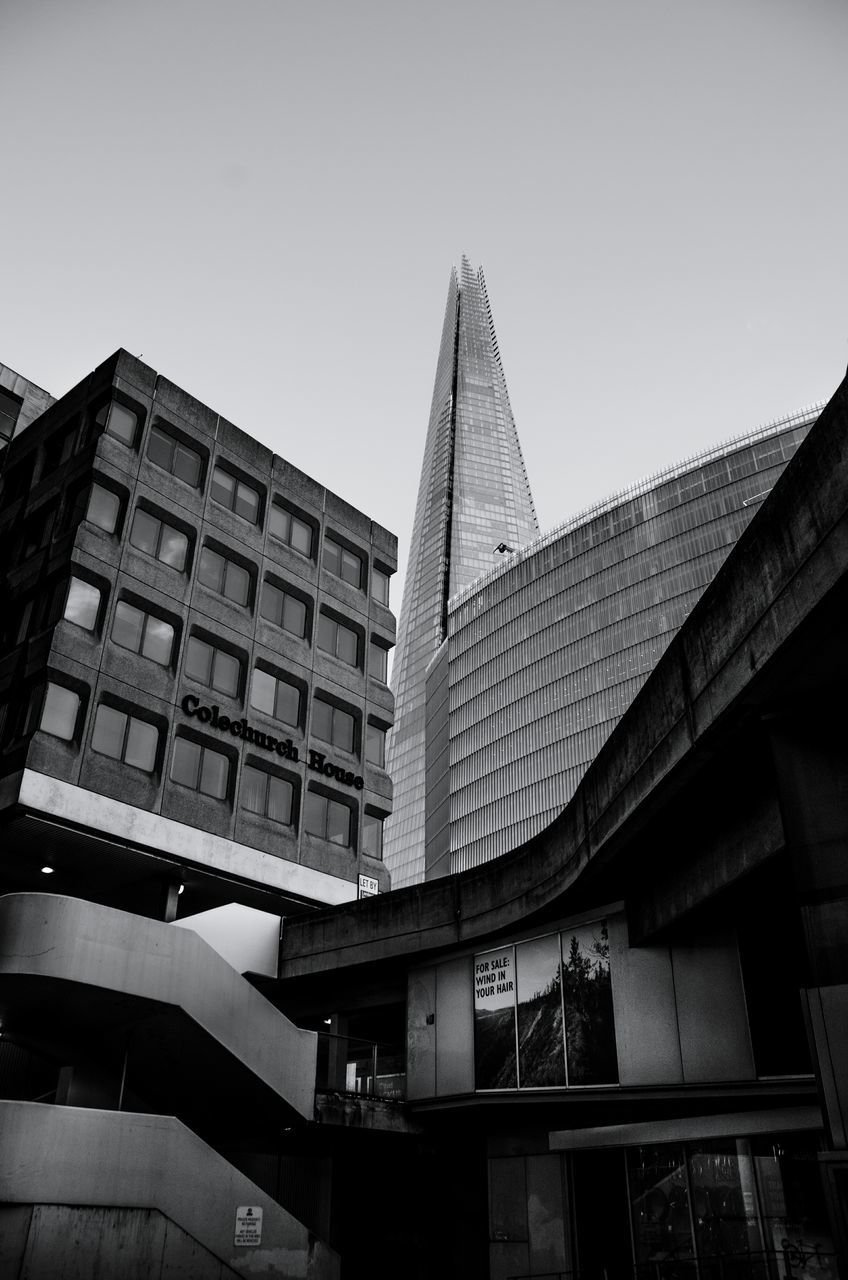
(68, 940)
(123, 1161)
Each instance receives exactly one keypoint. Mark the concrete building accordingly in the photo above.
(545, 652)
(21, 402)
(474, 503)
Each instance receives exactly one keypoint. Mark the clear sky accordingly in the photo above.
(263, 199)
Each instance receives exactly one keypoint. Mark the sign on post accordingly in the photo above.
(248, 1224)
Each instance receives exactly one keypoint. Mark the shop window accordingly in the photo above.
(267, 795)
(200, 768)
(143, 633)
(213, 667)
(275, 697)
(372, 835)
(337, 639)
(328, 819)
(375, 745)
(59, 712)
(166, 451)
(82, 605)
(341, 562)
(283, 609)
(118, 421)
(333, 725)
(236, 495)
(290, 529)
(160, 540)
(224, 576)
(378, 662)
(380, 586)
(125, 737)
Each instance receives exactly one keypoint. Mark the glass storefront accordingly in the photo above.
(729, 1210)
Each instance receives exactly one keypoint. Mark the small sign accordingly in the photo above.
(248, 1224)
(369, 886)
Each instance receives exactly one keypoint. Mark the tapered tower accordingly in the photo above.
(473, 498)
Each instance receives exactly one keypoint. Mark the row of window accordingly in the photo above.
(238, 495)
(134, 741)
(153, 637)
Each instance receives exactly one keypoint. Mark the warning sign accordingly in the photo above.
(248, 1224)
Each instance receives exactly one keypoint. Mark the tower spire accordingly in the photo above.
(473, 496)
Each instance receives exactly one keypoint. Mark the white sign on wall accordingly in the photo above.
(248, 1224)
(369, 886)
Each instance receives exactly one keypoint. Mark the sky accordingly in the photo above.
(263, 199)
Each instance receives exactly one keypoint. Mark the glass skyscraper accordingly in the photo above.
(546, 652)
(473, 498)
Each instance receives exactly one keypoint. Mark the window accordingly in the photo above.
(267, 795)
(82, 604)
(380, 586)
(119, 422)
(235, 495)
(143, 633)
(229, 579)
(10, 407)
(283, 610)
(372, 835)
(341, 562)
(296, 533)
(121, 736)
(378, 662)
(160, 540)
(275, 697)
(328, 819)
(200, 768)
(165, 451)
(59, 712)
(375, 745)
(213, 667)
(337, 639)
(104, 508)
(333, 725)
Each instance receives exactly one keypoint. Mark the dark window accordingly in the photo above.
(119, 422)
(283, 610)
(37, 531)
(104, 508)
(333, 725)
(59, 448)
(375, 745)
(229, 579)
(339, 640)
(328, 819)
(380, 586)
(82, 604)
(378, 662)
(341, 562)
(200, 768)
(143, 633)
(121, 736)
(173, 456)
(296, 533)
(158, 539)
(266, 794)
(59, 712)
(10, 407)
(213, 667)
(275, 697)
(372, 835)
(235, 495)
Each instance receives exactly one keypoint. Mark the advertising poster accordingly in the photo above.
(494, 1019)
(541, 1055)
(587, 991)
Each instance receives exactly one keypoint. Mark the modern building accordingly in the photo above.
(194, 662)
(474, 505)
(21, 402)
(546, 651)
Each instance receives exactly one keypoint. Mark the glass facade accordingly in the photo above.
(473, 497)
(548, 651)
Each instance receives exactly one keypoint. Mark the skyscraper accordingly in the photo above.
(474, 501)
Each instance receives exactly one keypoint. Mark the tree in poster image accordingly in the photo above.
(541, 1061)
(589, 1026)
